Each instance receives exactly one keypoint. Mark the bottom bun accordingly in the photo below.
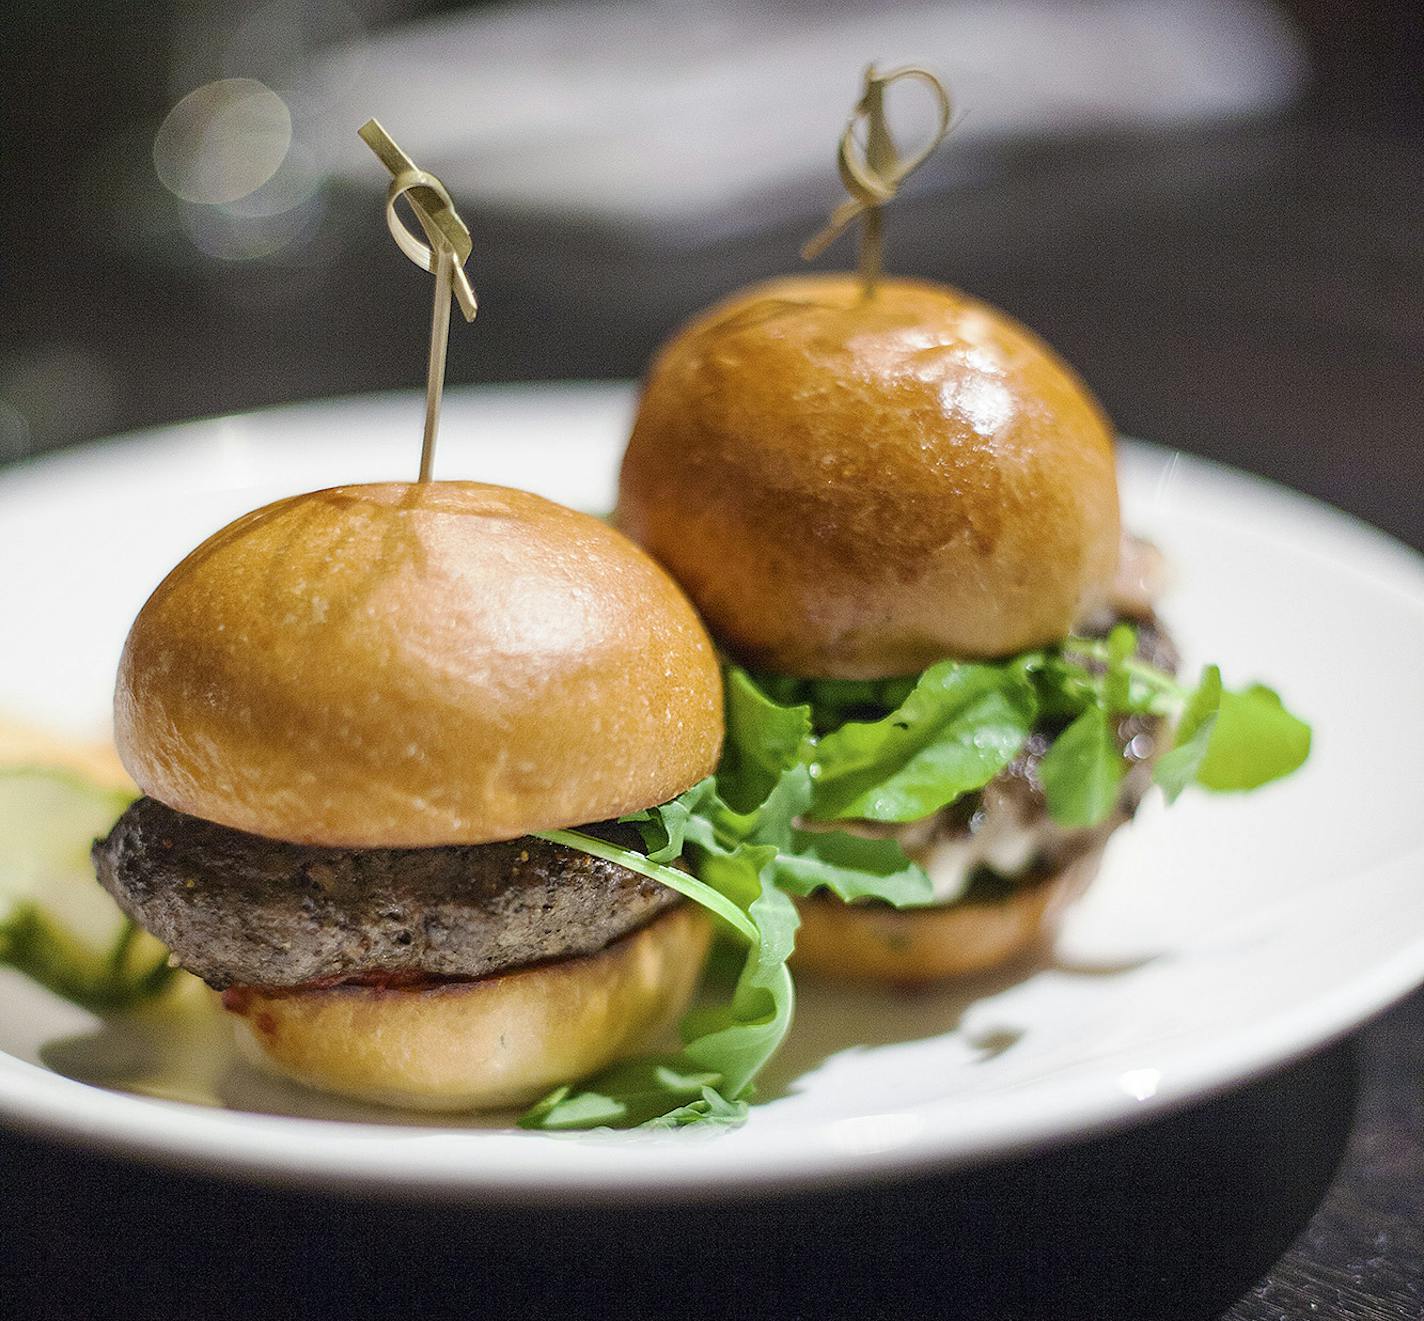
(873, 942)
(491, 1044)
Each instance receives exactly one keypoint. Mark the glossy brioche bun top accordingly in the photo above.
(852, 488)
(416, 664)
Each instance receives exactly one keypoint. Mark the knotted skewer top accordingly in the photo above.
(429, 200)
(873, 172)
(445, 254)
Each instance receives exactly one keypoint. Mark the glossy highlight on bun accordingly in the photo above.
(411, 664)
(856, 488)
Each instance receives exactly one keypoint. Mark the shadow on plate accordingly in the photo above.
(850, 1017)
(193, 1060)
(190, 1057)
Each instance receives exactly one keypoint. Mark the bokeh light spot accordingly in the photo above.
(222, 141)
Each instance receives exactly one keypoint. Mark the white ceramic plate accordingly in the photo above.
(1225, 936)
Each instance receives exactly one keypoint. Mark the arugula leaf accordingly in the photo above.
(711, 1108)
(763, 739)
(664, 827)
(852, 867)
(835, 701)
(904, 765)
(1063, 687)
(685, 884)
(1229, 740)
(1082, 771)
(724, 1045)
(633, 1092)
(1178, 767)
(1117, 685)
(735, 1040)
(741, 858)
(1254, 740)
(959, 727)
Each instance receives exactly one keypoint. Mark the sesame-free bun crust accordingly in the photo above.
(416, 664)
(484, 1045)
(867, 942)
(854, 488)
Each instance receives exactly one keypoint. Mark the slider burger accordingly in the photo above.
(351, 714)
(872, 499)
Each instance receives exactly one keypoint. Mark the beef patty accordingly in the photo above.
(242, 910)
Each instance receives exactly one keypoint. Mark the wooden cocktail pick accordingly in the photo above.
(446, 251)
(873, 171)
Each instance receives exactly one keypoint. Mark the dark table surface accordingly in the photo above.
(1252, 293)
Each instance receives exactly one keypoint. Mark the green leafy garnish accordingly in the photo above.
(1253, 741)
(699, 891)
(134, 969)
(655, 1093)
(850, 866)
(957, 726)
(1180, 764)
(1082, 772)
(803, 752)
(763, 739)
(832, 702)
(735, 1039)
(57, 925)
(956, 730)
(725, 1044)
(753, 861)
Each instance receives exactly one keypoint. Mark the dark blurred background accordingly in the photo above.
(1212, 208)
